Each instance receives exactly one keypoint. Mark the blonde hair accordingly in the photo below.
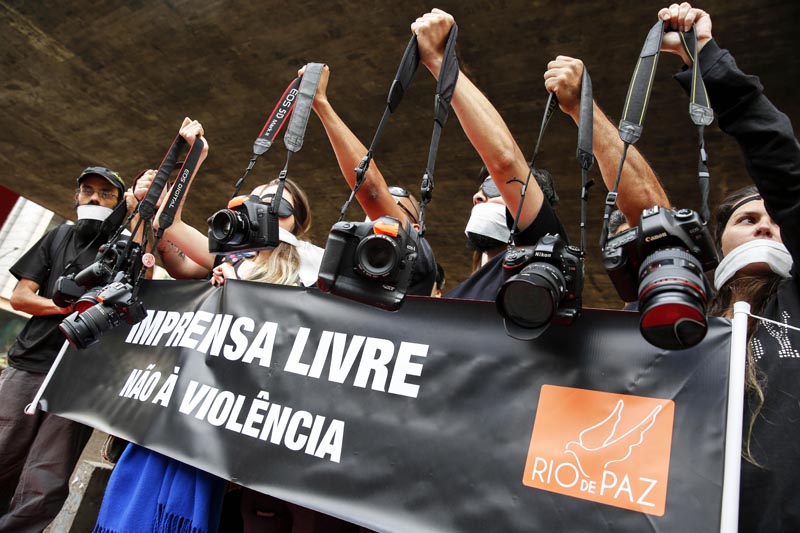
(282, 264)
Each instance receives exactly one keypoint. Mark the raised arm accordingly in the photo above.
(481, 122)
(373, 195)
(639, 187)
(765, 134)
(183, 249)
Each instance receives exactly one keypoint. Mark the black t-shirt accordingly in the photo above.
(423, 274)
(40, 341)
(485, 282)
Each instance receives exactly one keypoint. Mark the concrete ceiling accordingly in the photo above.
(87, 83)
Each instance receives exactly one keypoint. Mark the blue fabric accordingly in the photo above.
(149, 492)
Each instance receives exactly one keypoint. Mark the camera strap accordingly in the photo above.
(147, 207)
(584, 153)
(178, 189)
(402, 79)
(278, 117)
(445, 87)
(295, 132)
(631, 124)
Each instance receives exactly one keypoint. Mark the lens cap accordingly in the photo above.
(673, 325)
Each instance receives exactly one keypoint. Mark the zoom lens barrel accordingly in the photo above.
(673, 293)
(84, 329)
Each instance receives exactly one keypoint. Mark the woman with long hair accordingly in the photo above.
(757, 232)
(294, 261)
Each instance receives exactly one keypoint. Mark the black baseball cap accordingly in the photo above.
(112, 177)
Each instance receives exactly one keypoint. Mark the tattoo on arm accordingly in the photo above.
(166, 247)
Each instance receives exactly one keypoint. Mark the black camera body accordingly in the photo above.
(370, 262)
(112, 305)
(543, 284)
(661, 264)
(245, 225)
(659, 228)
(110, 258)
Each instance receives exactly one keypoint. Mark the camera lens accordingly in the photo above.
(673, 292)
(84, 329)
(87, 301)
(376, 256)
(227, 226)
(529, 299)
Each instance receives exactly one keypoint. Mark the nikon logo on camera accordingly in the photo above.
(607, 448)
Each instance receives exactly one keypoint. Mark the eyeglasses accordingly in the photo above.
(88, 192)
(489, 188)
(285, 209)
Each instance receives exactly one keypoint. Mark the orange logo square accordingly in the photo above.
(607, 448)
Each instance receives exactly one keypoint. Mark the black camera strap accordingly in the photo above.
(631, 125)
(549, 111)
(445, 87)
(584, 153)
(405, 74)
(146, 208)
(278, 117)
(178, 189)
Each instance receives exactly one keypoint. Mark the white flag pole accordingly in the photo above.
(31, 407)
(729, 519)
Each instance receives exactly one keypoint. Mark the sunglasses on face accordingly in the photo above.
(285, 209)
(489, 188)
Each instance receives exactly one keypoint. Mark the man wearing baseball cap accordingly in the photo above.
(39, 452)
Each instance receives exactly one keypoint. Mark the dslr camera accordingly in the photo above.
(370, 262)
(245, 225)
(661, 264)
(100, 310)
(110, 258)
(543, 284)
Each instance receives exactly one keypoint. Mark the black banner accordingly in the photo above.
(429, 418)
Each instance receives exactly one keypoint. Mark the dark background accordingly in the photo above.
(86, 83)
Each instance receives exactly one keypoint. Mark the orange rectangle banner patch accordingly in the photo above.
(607, 448)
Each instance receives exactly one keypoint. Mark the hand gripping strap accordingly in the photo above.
(402, 79)
(630, 127)
(147, 207)
(700, 112)
(445, 87)
(584, 152)
(178, 190)
(279, 116)
(293, 139)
